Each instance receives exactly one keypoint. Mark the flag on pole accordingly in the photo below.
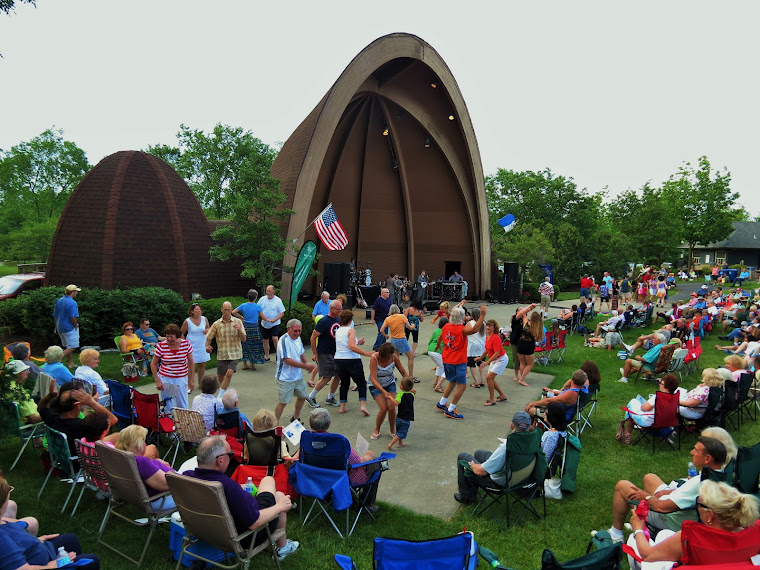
(330, 231)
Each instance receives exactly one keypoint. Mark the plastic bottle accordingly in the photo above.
(249, 487)
(692, 470)
(63, 558)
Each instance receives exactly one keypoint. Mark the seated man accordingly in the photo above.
(568, 398)
(231, 403)
(649, 360)
(20, 351)
(608, 340)
(667, 316)
(666, 499)
(647, 340)
(147, 334)
(319, 422)
(269, 506)
(60, 410)
(610, 324)
(488, 467)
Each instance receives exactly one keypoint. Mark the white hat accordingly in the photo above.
(16, 366)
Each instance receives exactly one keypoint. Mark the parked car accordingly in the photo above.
(13, 285)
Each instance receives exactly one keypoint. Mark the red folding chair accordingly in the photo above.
(704, 545)
(665, 421)
(149, 414)
(543, 353)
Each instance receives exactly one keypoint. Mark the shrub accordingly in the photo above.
(212, 308)
(302, 313)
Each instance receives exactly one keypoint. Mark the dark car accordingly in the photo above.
(13, 285)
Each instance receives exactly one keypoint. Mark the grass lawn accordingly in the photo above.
(565, 529)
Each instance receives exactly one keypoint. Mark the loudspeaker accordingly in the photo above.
(336, 278)
(511, 273)
(350, 301)
(513, 293)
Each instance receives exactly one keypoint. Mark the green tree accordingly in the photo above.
(703, 204)
(7, 6)
(524, 245)
(31, 241)
(39, 175)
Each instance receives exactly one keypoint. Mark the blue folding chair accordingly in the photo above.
(453, 552)
(121, 402)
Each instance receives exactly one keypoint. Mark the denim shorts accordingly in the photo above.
(456, 372)
(391, 388)
(402, 428)
(401, 345)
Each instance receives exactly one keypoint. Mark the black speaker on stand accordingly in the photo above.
(509, 286)
(337, 278)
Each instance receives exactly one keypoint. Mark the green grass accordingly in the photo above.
(8, 268)
(565, 529)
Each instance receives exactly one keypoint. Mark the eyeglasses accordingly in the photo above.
(129, 329)
(229, 454)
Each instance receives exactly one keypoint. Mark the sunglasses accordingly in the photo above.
(229, 454)
(702, 505)
(129, 329)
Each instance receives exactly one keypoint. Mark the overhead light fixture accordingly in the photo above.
(427, 143)
(385, 132)
(451, 117)
(433, 85)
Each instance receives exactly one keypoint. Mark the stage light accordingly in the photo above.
(433, 85)
(385, 132)
(451, 117)
(427, 143)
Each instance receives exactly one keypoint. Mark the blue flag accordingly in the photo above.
(507, 222)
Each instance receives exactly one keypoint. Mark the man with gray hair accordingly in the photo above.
(488, 467)
(649, 359)
(291, 362)
(229, 333)
(231, 403)
(322, 307)
(546, 290)
(249, 513)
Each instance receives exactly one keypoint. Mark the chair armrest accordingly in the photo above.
(384, 456)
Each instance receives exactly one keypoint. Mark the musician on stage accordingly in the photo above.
(395, 286)
(422, 281)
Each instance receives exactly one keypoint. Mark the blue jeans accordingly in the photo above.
(736, 333)
(380, 336)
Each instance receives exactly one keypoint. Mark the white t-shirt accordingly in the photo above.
(270, 308)
(289, 348)
(476, 344)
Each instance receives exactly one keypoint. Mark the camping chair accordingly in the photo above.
(43, 384)
(677, 362)
(190, 427)
(92, 469)
(126, 357)
(711, 417)
(560, 346)
(729, 410)
(206, 517)
(149, 414)
(525, 469)
(26, 433)
(128, 489)
(747, 470)
(121, 402)
(543, 353)
(703, 545)
(691, 362)
(607, 558)
(665, 421)
(745, 400)
(60, 458)
(456, 552)
(660, 367)
(585, 408)
(228, 423)
(262, 455)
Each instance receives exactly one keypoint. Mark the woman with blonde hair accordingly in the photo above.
(89, 359)
(720, 508)
(693, 403)
(152, 471)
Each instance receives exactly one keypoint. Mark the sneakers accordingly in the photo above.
(622, 371)
(313, 402)
(453, 414)
(464, 500)
(623, 380)
(331, 402)
(441, 407)
(290, 547)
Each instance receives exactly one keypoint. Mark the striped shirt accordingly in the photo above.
(173, 362)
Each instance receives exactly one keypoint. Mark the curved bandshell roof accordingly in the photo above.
(411, 199)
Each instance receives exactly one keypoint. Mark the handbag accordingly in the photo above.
(552, 488)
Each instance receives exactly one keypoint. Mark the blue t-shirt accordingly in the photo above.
(148, 337)
(58, 371)
(65, 309)
(321, 308)
(326, 327)
(250, 312)
(18, 547)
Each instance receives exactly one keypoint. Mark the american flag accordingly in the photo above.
(330, 231)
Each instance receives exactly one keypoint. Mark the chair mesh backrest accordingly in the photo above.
(263, 447)
(747, 470)
(91, 465)
(704, 544)
(189, 424)
(730, 396)
(450, 552)
(676, 362)
(146, 409)
(325, 450)
(665, 410)
(60, 453)
(228, 422)
(663, 361)
(603, 559)
(123, 476)
(204, 511)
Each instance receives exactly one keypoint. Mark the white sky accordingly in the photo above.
(612, 94)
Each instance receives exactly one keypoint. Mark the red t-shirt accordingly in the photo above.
(586, 283)
(454, 344)
(494, 347)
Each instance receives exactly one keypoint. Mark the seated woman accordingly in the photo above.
(131, 342)
(55, 368)
(720, 509)
(263, 421)
(152, 471)
(89, 359)
(641, 411)
(692, 404)
(593, 375)
(19, 549)
(565, 317)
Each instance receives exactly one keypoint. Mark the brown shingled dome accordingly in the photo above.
(133, 221)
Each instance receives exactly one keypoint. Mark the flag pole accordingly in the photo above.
(295, 239)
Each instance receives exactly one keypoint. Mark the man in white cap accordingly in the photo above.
(27, 409)
(66, 315)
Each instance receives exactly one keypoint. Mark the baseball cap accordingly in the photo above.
(522, 420)
(72, 287)
(16, 366)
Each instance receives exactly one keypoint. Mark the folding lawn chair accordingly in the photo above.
(543, 353)
(206, 517)
(121, 402)
(665, 421)
(661, 366)
(607, 558)
(26, 432)
(43, 384)
(747, 470)
(585, 408)
(560, 346)
(190, 428)
(61, 459)
(128, 490)
(92, 470)
(458, 552)
(677, 362)
(703, 545)
(149, 414)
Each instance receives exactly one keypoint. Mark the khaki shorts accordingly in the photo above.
(636, 364)
(286, 390)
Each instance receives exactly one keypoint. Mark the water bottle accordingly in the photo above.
(249, 487)
(63, 558)
(692, 470)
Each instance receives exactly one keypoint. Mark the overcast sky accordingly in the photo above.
(612, 94)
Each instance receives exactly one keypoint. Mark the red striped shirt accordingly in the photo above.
(174, 362)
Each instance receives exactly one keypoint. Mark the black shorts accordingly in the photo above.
(605, 299)
(265, 501)
(471, 362)
(415, 334)
(269, 333)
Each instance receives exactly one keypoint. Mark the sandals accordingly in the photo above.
(439, 390)
(476, 385)
(489, 403)
(500, 399)
(375, 436)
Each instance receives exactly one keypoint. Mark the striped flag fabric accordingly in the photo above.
(330, 231)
